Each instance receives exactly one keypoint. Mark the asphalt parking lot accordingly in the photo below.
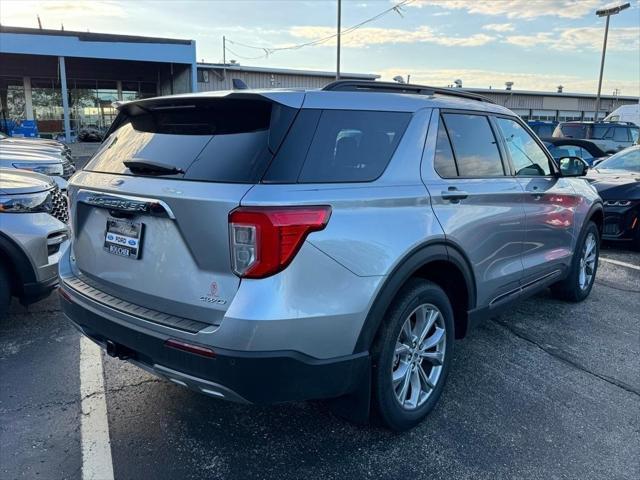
(550, 390)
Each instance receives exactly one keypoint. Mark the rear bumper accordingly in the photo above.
(253, 377)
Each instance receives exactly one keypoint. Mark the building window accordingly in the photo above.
(590, 116)
(12, 98)
(203, 75)
(523, 113)
(47, 105)
(545, 115)
(569, 116)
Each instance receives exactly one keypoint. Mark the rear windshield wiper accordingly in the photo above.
(145, 167)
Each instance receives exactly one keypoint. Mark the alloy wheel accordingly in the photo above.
(419, 355)
(588, 261)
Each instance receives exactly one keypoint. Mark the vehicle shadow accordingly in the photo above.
(502, 414)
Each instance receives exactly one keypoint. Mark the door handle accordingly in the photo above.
(454, 195)
(535, 193)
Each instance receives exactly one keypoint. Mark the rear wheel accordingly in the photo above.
(5, 291)
(577, 286)
(412, 354)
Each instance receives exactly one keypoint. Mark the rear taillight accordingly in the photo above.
(264, 240)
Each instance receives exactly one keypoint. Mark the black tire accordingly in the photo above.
(389, 409)
(569, 289)
(5, 291)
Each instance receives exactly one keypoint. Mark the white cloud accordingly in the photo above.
(364, 37)
(579, 38)
(526, 9)
(499, 27)
(54, 12)
(522, 80)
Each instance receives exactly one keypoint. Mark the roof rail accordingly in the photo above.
(619, 122)
(391, 87)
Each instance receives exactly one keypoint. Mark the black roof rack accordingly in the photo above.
(619, 122)
(391, 87)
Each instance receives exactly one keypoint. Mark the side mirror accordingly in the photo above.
(573, 167)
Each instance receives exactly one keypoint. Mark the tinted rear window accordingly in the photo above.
(223, 140)
(352, 146)
(574, 131)
(544, 130)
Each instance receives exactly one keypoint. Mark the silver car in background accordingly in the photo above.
(268, 246)
(33, 234)
(47, 157)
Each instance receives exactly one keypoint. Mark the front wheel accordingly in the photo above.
(412, 354)
(577, 286)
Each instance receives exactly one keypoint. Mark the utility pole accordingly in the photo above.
(338, 53)
(224, 57)
(606, 12)
(604, 51)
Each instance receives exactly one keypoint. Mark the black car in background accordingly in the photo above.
(617, 180)
(611, 137)
(571, 147)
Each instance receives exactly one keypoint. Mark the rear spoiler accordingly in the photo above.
(289, 98)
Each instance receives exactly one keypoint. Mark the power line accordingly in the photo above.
(271, 50)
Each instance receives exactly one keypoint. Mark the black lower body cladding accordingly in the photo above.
(255, 377)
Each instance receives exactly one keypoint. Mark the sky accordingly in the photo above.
(537, 44)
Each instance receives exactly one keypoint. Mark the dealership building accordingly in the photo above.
(67, 81)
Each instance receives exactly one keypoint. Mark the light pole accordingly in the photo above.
(338, 53)
(606, 12)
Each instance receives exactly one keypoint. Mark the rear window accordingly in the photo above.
(544, 130)
(222, 140)
(574, 131)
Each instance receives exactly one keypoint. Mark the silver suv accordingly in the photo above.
(38, 155)
(267, 246)
(33, 235)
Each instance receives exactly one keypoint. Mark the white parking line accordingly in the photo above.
(96, 446)
(619, 263)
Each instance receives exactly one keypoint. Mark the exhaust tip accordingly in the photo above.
(112, 349)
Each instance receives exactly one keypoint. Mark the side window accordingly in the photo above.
(527, 156)
(635, 133)
(621, 134)
(353, 146)
(444, 162)
(474, 145)
(600, 132)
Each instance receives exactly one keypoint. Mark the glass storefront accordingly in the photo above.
(12, 102)
(47, 105)
(90, 103)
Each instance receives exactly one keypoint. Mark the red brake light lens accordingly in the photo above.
(264, 240)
